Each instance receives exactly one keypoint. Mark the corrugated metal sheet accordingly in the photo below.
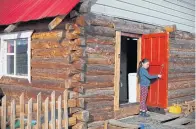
(13, 11)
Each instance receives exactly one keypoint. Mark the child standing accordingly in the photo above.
(144, 80)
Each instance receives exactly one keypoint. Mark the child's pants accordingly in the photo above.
(143, 97)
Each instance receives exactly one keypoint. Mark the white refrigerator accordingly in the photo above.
(132, 86)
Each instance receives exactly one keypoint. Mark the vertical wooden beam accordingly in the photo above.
(39, 109)
(106, 124)
(59, 113)
(22, 111)
(13, 114)
(29, 114)
(117, 71)
(65, 97)
(3, 113)
(53, 119)
(46, 113)
(139, 54)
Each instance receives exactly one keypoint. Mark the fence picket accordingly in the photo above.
(59, 113)
(46, 113)
(65, 95)
(22, 111)
(13, 114)
(3, 113)
(29, 114)
(39, 108)
(53, 119)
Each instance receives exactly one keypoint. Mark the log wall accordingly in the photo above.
(181, 81)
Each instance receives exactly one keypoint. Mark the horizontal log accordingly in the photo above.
(100, 78)
(97, 20)
(182, 42)
(78, 89)
(181, 99)
(48, 35)
(181, 70)
(101, 116)
(80, 125)
(182, 54)
(89, 85)
(181, 60)
(102, 109)
(100, 69)
(82, 116)
(47, 84)
(181, 85)
(54, 52)
(99, 105)
(46, 44)
(181, 92)
(99, 48)
(80, 20)
(41, 64)
(181, 65)
(99, 98)
(92, 93)
(100, 40)
(103, 61)
(182, 35)
(74, 110)
(65, 60)
(179, 79)
(11, 80)
(101, 31)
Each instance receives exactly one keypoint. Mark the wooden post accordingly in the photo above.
(106, 124)
(117, 71)
(59, 113)
(22, 111)
(3, 113)
(39, 110)
(66, 108)
(53, 119)
(46, 113)
(13, 114)
(29, 114)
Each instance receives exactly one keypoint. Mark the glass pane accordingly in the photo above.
(10, 64)
(10, 46)
(21, 57)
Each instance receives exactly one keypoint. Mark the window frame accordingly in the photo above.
(3, 49)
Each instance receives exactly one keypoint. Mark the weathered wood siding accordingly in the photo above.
(181, 81)
(56, 58)
(158, 12)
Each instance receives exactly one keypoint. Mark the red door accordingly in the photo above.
(155, 49)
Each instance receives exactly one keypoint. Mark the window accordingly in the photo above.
(15, 55)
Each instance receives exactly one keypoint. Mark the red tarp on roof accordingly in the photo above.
(13, 11)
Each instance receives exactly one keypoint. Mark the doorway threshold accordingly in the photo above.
(128, 104)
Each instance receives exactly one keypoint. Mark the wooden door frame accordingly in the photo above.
(117, 66)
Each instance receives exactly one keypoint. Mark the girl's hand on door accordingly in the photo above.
(159, 76)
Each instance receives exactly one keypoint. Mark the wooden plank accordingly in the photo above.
(13, 114)
(106, 124)
(161, 117)
(10, 28)
(22, 111)
(179, 122)
(59, 113)
(29, 114)
(139, 54)
(39, 110)
(3, 113)
(117, 71)
(53, 119)
(65, 96)
(121, 124)
(56, 21)
(46, 114)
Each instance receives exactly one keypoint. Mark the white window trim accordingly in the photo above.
(17, 35)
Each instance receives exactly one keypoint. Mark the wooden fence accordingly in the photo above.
(50, 114)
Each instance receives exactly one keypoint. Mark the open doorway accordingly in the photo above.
(128, 70)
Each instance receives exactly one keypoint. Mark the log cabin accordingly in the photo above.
(93, 47)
